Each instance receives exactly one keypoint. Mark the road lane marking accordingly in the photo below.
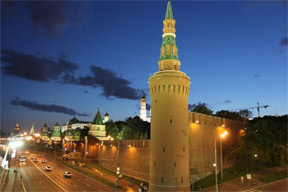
(49, 177)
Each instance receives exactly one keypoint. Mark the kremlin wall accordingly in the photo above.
(135, 154)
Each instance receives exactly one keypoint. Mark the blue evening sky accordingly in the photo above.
(66, 58)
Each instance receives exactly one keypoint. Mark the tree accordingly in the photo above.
(201, 108)
(229, 115)
(125, 133)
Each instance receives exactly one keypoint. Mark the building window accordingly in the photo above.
(171, 121)
(183, 149)
(154, 164)
(181, 179)
(174, 164)
(163, 149)
(162, 180)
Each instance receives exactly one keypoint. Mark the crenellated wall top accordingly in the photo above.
(210, 120)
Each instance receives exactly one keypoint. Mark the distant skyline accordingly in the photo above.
(61, 59)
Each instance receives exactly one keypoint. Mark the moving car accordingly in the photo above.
(32, 157)
(35, 160)
(48, 168)
(44, 161)
(67, 174)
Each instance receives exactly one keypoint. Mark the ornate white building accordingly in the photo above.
(143, 110)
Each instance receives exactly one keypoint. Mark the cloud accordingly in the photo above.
(47, 108)
(256, 75)
(284, 41)
(227, 101)
(54, 17)
(111, 84)
(35, 68)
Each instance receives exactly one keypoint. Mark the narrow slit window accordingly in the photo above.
(163, 149)
(171, 121)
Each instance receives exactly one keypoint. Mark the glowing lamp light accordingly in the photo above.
(197, 122)
(112, 138)
(25, 133)
(223, 125)
(37, 134)
(74, 150)
(29, 138)
(255, 155)
(214, 164)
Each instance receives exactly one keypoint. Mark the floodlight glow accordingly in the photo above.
(16, 144)
(28, 138)
(37, 134)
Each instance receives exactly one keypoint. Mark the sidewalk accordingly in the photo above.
(10, 180)
(236, 185)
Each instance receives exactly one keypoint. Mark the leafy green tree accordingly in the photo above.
(229, 115)
(201, 108)
(125, 133)
(111, 128)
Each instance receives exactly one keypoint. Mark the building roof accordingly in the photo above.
(106, 114)
(98, 119)
(169, 14)
(57, 124)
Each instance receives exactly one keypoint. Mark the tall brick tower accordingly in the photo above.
(169, 90)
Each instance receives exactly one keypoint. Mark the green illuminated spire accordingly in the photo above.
(169, 14)
(169, 49)
(97, 119)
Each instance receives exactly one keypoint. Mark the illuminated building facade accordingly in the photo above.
(169, 90)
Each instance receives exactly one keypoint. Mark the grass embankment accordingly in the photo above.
(228, 175)
(125, 177)
(274, 177)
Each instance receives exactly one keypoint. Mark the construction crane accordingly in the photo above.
(258, 108)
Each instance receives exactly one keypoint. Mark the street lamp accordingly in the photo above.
(118, 154)
(215, 165)
(221, 159)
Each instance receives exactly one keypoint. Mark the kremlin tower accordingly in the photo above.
(169, 90)
(143, 114)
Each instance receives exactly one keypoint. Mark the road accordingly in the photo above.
(36, 178)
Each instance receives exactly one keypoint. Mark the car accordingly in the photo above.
(35, 160)
(67, 174)
(32, 158)
(48, 168)
(44, 161)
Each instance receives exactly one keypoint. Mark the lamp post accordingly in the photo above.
(118, 168)
(216, 182)
(221, 159)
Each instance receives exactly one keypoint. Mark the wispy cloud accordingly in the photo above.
(256, 75)
(46, 69)
(43, 107)
(284, 41)
(36, 68)
(111, 84)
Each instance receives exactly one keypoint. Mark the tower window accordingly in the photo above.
(181, 179)
(174, 164)
(162, 180)
(171, 121)
(154, 164)
(156, 101)
(163, 149)
(183, 149)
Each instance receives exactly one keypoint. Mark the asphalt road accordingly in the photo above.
(36, 178)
